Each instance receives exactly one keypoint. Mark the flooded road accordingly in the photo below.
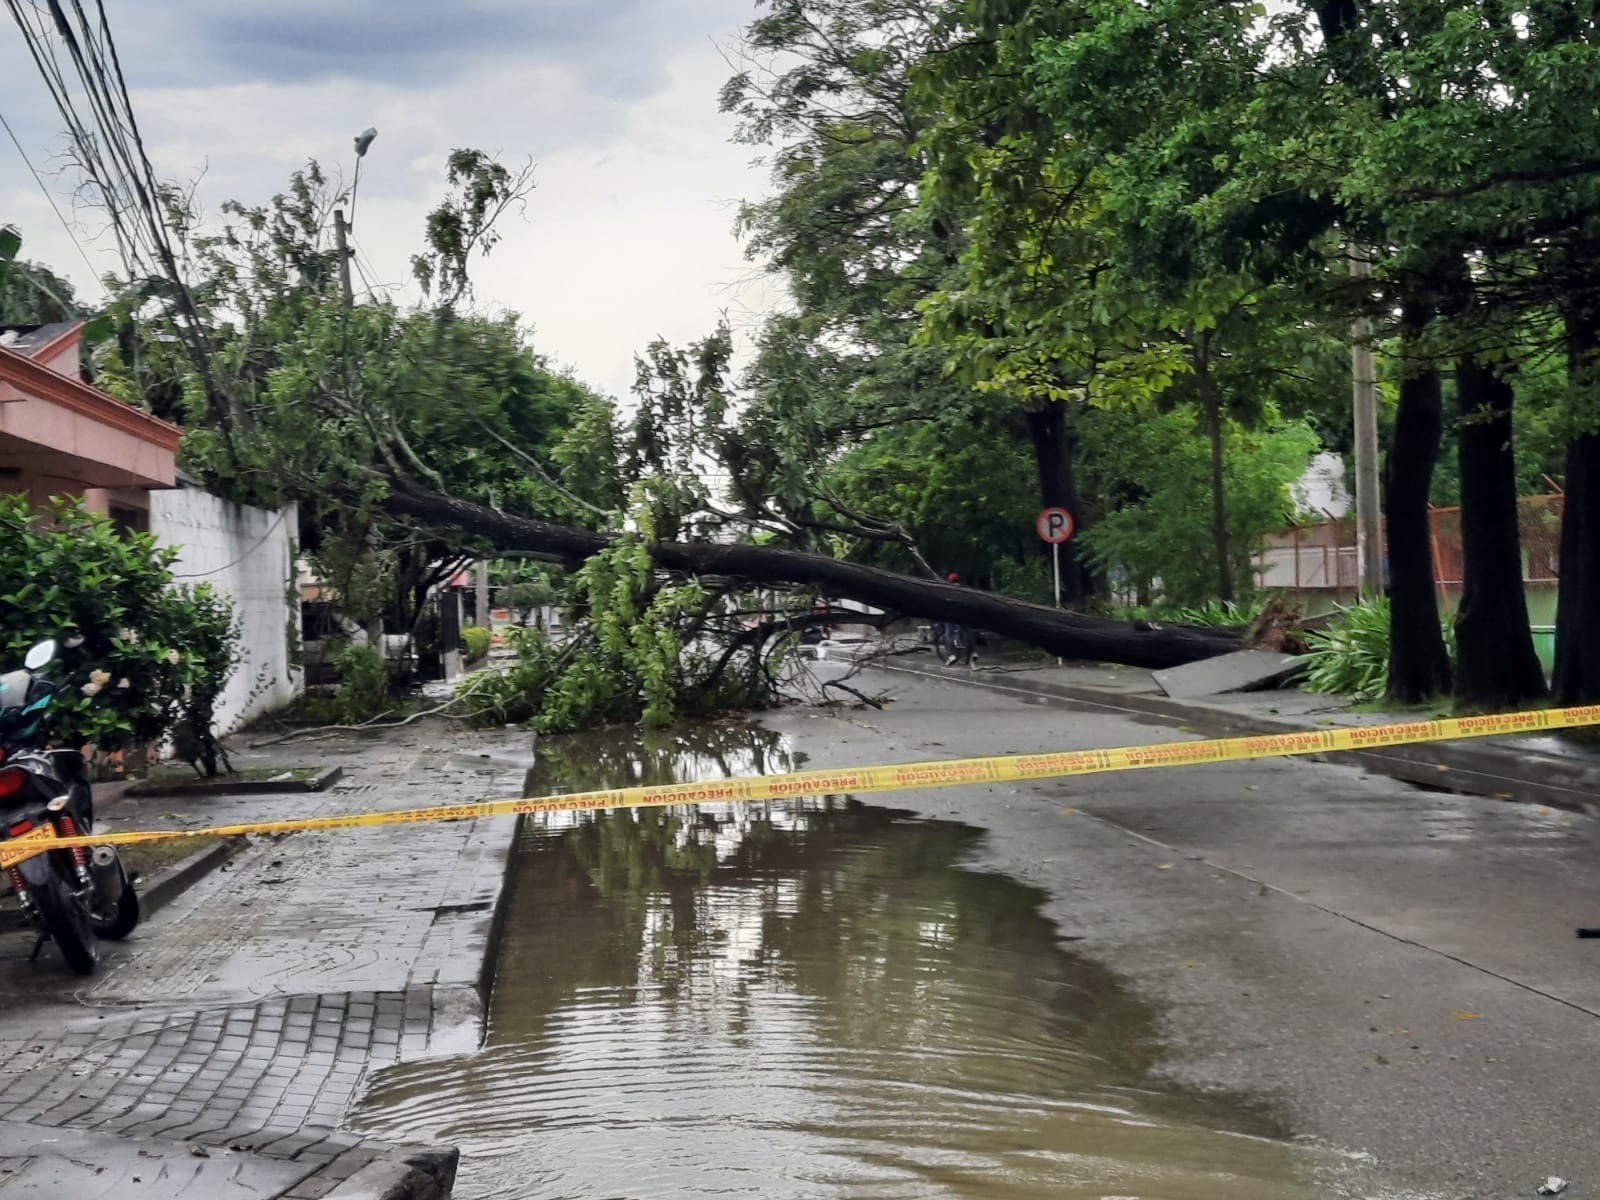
(811, 998)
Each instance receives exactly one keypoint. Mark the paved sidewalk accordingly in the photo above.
(224, 1044)
(1543, 769)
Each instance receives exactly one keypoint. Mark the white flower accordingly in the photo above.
(99, 678)
(90, 689)
(173, 656)
(188, 692)
(72, 643)
(123, 682)
(128, 635)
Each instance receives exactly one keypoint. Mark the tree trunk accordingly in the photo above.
(1419, 664)
(1066, 634)
(1211, 404)
(1577, 667)
(1496, 665)
(1053, 447)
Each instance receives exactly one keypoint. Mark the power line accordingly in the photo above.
(355, 258)
(254, 546)
(54, 207)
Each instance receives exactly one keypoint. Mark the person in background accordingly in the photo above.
(960, 643)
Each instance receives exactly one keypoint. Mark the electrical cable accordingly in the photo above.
(254, 546)
(54, 207)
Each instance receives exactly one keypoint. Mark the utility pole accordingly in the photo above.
(1364, 388)
(339, 231)
(483, 594)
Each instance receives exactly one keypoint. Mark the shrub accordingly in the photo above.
(1351, 657)
(204, 621)
(141, 655)
(363, 684)
(475, 642)
(1216, 613)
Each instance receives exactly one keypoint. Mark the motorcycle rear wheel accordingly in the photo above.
(67, 921)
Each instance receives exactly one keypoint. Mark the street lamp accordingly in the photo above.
(340, 226)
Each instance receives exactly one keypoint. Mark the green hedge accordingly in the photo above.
(474, 642)
(141, 658)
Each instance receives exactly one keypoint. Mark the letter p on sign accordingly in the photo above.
(1055, 525)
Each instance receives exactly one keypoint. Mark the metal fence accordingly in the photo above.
(1318, 559)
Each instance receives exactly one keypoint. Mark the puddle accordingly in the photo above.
(810, 998)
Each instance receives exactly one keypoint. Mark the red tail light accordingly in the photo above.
(11, 780)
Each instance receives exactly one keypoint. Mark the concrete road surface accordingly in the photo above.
(1394, 969)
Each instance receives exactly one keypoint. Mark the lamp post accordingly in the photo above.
(363, 140)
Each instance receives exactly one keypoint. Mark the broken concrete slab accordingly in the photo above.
(1241, 671)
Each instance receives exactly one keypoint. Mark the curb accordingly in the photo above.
(221, 785)
(1470, 768)
(180, 877)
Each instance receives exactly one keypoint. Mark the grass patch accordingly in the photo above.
(149, 859)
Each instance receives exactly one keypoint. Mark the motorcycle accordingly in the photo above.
(70, 896)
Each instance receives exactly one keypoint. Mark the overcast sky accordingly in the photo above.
(627, 235)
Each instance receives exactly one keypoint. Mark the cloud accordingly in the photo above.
(618, 47)
(628, 234)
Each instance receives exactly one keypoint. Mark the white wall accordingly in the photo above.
(245, 553)
(1321, 491)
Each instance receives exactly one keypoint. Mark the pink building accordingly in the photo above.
(61, 437)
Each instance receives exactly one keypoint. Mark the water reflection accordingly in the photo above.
(810, 998)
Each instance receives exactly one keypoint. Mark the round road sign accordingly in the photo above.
(1055, 525)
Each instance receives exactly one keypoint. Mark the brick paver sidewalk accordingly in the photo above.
(243, 1019)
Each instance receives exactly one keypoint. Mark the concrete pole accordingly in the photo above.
(483, 594)
(1369, 522)
(339, 231)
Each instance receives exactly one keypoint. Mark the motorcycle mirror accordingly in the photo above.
(40, 655)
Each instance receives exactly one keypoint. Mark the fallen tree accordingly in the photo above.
(1066, 634)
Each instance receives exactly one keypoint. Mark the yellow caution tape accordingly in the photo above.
(906, 776)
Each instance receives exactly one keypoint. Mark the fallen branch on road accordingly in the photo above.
(874, 701)
(322, 733)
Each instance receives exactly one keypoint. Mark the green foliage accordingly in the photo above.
(628, 667)
(204, 621)
(363, 685)
(141, 656)
(532, 593)
(329, 405)
(1162, 531)
(1351, 657)
(963, 490)
(515, 694)
(475, 641)
(632, 666)
(1215, 612)
(464, 223)
(31, 293)
(637, 652)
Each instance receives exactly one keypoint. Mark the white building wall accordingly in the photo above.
(1321, 491)
(247, 554)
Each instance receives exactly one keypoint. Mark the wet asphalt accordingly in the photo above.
(1393, 970)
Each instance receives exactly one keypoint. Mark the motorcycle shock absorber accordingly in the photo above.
(80, 856)
(20, 888)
